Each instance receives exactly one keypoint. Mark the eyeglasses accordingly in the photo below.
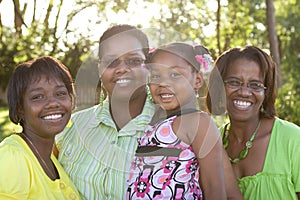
(253, 85)
(130, 62)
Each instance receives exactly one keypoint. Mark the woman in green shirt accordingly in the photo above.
(263, 149)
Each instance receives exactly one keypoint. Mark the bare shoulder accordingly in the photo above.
(192, 125)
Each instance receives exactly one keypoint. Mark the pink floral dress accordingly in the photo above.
(164, 167)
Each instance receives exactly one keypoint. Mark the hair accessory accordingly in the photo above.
(205, 61)
(152, 50)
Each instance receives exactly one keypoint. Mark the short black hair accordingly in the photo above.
(128, 30)
(28, 72)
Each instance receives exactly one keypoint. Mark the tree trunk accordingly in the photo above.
(218, 27)
(273, 36)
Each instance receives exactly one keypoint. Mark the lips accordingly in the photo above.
(240, 104)
(122, 81)
(165, 96)
(53, 117)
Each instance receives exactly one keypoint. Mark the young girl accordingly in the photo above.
(180, 155)
(40, 97)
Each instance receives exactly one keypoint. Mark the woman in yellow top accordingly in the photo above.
(40, 97)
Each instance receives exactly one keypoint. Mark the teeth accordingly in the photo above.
(56, 116)
(121, 81)
(243, 104)
(167, 95)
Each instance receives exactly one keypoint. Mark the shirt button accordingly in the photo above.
(68, 152)
(62, 186)
(72, 196)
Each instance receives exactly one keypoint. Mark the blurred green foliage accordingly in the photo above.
(241, 22)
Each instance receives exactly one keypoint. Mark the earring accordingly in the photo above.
(262, 109)
(149, 94)
(196, 94)
(101, 97)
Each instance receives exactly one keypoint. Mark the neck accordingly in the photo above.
(42, 150)
(241, 131)
(43, 145)
(124, 111)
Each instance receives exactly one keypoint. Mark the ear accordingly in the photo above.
(199, 81)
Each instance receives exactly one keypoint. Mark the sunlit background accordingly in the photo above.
(89, 23)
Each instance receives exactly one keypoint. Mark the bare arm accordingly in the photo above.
(207, 143)
(232, 189)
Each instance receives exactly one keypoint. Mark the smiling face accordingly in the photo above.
(244, 103)
(173, 82)
(120, 67)
(46, 107)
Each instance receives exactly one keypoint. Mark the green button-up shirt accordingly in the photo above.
(97, 156)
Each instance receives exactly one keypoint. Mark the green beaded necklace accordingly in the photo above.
(243, 154)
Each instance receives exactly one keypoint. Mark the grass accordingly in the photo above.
(6, 126)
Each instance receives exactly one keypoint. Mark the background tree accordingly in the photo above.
(217, 24)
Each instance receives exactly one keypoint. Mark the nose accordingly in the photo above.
(164, 82)
(52, 101)
(122, 67)
(245, 90)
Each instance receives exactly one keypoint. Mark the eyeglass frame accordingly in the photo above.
(261, 86)
(116, 62)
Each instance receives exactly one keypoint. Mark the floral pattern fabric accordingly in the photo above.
(170, 171)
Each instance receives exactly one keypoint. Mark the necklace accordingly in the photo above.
(53, 175)
(243, 154)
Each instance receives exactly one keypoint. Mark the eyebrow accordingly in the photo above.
(235, 78)
(131, 53)
(41, 88)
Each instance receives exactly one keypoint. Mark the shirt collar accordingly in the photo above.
(102, 115)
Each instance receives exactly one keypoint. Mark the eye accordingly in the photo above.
(113, 63)
(133, 62)
(37, 97)
(256, 86)
(175, 75)
(234, 82)
(110, 63)
(61, 93)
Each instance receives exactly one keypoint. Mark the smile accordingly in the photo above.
(167, 95)
(52, 117)
(242, 104)
(122, 81)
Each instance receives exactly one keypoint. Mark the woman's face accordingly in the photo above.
(244, 103)
(46, 107)
(121, 69)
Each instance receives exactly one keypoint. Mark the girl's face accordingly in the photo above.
(121, 69)
(243, 103)
(173, 83)
(46, 107)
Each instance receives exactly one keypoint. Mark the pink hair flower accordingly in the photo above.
(152, 50)
(202, 61)
(205, 61)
